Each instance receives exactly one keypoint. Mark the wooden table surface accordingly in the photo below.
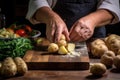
(67, 74)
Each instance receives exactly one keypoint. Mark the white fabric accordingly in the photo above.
(112, 5)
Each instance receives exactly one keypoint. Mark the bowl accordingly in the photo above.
(34, 34)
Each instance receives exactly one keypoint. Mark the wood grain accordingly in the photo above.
(38, 59)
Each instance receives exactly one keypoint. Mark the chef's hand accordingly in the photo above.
(56, 27)
(81, 30)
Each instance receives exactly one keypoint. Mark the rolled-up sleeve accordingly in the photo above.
(32, 8)
(113, 6)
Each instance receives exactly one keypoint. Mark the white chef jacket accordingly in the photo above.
(111, 5)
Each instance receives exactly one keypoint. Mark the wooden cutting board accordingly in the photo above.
(40, 59)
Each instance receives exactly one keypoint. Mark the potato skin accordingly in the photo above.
(21, 66)
(98, 48)
(98, 69)
(113, 43)
(8, 68)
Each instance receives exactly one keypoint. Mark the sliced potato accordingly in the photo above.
(70, 47)
(62, 50)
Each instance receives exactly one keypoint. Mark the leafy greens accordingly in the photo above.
(14, 47)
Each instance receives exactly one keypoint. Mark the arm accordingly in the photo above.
(34, 5)
(84, 27)
(42, 13)
(113, 6)
(55, 26)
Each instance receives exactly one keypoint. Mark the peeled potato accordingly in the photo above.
(70, 47)
(62, 37)
(52, 48)
(62, 43)
(62, 50)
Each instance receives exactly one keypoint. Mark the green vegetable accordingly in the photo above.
(14, 47)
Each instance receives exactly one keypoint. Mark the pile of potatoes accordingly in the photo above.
(61, 47)
(108, 50)
(11, 67)
(111, 42)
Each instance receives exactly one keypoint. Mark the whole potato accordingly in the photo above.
(114, 45)
(62, 37)
(112, 36)
(113, 42)
(98, 69)
(53, 48)
(98, 50)
(21, 66)
(107, 58)
(97, 42)
(8, 68)
(116, 62)
(118, 53)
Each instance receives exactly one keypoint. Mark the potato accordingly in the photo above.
(62, 43)
(114, 45)
(97, 42)
(98, 50)
(118, 53)
(116, 62)
(98, 69)
(8, 68)
(98, 47)
(21, 66)
(107, 58)
(111, 37)
(70, 47)
(62, 50)
(52, 48)
(62, 37)
(113, 42)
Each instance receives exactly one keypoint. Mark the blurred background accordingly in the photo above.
(15, 11)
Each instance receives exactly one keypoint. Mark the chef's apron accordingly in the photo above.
(72, 10)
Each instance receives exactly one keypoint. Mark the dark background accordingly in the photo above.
(15, 11)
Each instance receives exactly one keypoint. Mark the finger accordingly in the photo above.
(58, 33)
(66, 33)
(86, 33)
(50, 32)
(74, 32)
(72, 29)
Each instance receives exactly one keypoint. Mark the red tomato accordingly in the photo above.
(28, 28)
(21, 32)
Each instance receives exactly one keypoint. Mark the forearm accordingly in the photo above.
(99, 18)
(43, 14)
